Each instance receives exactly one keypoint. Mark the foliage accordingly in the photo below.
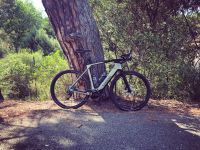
(18, 19)
(165, 43)
(25, 26)
(162, 40)
(46, 43)
(5, 44)
(25, 75)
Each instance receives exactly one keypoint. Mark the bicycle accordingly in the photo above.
(129, 90)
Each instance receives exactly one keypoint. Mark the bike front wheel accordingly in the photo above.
(130, 91)
(61, 94)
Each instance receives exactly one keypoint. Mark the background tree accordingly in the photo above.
(18, 19)
(25, 27)
(161, 39)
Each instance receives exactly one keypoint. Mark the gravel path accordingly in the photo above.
(85, 129)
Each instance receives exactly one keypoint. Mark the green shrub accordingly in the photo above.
(46, 43)
(28, 76)
(45, 68)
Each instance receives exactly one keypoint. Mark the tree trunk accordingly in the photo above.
(76, 28)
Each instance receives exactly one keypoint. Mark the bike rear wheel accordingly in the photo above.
(130, 91)
(61, 94)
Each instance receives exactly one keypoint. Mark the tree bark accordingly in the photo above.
(76, 28)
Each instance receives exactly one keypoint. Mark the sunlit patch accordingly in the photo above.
(98, 119)
(195, 112)
(49, 120)
(94, 117)
(188, 127)
(66, 142)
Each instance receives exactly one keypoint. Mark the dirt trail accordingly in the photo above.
(43, 125)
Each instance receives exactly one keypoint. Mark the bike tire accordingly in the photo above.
(129, 105)
(58, 100)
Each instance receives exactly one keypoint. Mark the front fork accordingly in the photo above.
(127, 86)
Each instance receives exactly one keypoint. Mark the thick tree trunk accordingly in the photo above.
(75, 28)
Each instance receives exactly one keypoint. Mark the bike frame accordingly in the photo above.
(117, 66)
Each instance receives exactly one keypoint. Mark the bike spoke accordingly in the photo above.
(133, 97)
(62, 93)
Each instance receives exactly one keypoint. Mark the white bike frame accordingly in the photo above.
(117, 66)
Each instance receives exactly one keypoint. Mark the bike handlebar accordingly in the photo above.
(123, 58)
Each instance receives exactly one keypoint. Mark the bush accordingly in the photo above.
(48, 44)
(39, 39)
(25, 75)
(171, 79)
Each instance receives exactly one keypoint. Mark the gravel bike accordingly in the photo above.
(129, 90)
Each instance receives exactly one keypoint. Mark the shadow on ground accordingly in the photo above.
(82, 129)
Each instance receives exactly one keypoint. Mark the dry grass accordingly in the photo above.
(11, 109)
(175, 106)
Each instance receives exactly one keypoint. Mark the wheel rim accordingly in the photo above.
(130, 100)
(63, 95)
